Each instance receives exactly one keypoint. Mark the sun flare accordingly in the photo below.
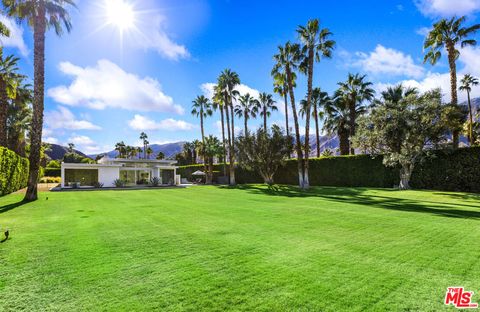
(120, 14)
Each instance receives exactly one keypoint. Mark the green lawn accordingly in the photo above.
(209, 248)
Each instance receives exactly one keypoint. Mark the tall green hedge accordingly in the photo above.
(13, 171)
(449, 170)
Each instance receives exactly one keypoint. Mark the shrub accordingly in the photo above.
(13, 171)
(53, 172)
(154, 181)
(119, 183)
(50, 180)
(97, 185)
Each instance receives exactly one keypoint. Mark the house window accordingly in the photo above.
(86, 177)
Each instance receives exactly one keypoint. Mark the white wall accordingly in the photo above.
(107, 175)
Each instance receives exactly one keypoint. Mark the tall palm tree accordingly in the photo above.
(266, 107)
(40, 15)
(287, 61)
(211, 148)
(19, 118)
(227, 82)
(160, 156)
(128, 151)
(281, 88)
(319, 100)
(149, 152)
(202, 108)
(246, 109)
(449, 34)
(316, 45)
(355, 91)
(121, 148)
(188, 150)
(395, 94)
(219, 104)
(467, 82)
(337, 122)
(9, 79)
(144, 137)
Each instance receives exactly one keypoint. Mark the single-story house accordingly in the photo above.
(132, 171)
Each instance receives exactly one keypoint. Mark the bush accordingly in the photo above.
(119, 183)
(13, 171)
(97, 185)
(154, 181)
(50, 180)
(53, 172)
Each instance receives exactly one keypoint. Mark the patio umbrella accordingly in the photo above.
(198, 173)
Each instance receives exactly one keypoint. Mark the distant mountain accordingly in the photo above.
(169, 149)
(57, 152)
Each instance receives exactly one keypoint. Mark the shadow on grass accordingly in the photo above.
(11, 206)
(358, 196)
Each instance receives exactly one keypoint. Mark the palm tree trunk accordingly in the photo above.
(224, 156)
(453, 88)
(344, 142)
(317, 131)
(265, 119)
(470, 117)
(286, 109)
(307, 118)
(353, 117)
(3, 113)
(298, 143)
(232, 147)
(38, 98)
(227, 115)
(245, 117)
(203, 141)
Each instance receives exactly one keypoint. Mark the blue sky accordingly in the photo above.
(104, 86)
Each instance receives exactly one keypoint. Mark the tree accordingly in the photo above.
(149, 152)
(247, 108)
(144, 137)
(9, 80)
(319, 100)
(337, 122)
(393, 95)
(40, 15)
(220, 104)
(19, 117)
(71, 148)
(264, 152)
(202, 108)
(287, 61)
(227, 82)
(133, 152)
(281, 88)
(403, 133)
(316, 45)
(354, 92)
(266, 106)
(467, 82)
(121, 148)
(160, 156)
(188, 151)
(450, 34)
(211, 148)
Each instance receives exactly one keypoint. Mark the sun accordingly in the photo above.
(120, 14)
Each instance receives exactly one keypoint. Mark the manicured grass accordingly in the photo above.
(249, 248)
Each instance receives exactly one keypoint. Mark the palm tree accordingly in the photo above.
(319, 100)
(128, 151)
(219, 104)
(397, 93)
(19, 118)
(39, 14)
(287, 61)
(202, 108)
(337, 122)
(149, 152)
(9, 80)
(248, 108)
(121, 148)
(316, 45)
(466, 85)
(188, 149)
(211, 148)
(160, 156)
(133, 152)
(355, 91)
(450, 34)
(144, 137)
(266, 107)
(197, 146)
(281, 88)
(227, 82)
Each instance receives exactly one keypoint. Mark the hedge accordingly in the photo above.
(52, 172)
(449, 170)
(13, 171)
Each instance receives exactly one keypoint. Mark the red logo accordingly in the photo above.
(460, 298)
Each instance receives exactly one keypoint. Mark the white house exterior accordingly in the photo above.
(107, 170)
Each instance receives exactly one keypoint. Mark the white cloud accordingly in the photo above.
(106, 85)
(16, 36)
(209, 87)
(423, 31)
(469, 62)
(84, 144)
(387, 61)
(63, 118)
(50, 140)
(140, 122)
(155, 37)
(447, 8)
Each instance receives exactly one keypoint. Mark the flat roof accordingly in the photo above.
(154, 161)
